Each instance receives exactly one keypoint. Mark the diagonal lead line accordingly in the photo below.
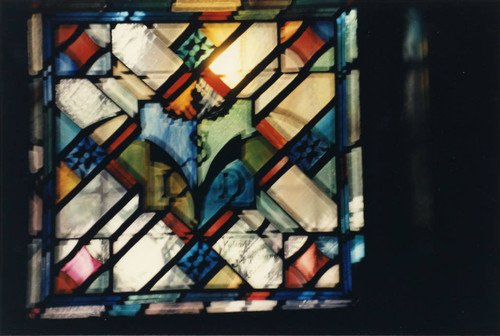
(197, 237)
(302, 75)
(220, 265)
(171, 263)
(86, 180)
(245, 282)
(190, 29)
(291, 259)
(230, 98)
(325, 158)
(76, 34)
(263, 88)
(118, 133)
(129, 72)
(196, 73)
(85, 239)
(72, 144)
(322, 271)
(125, 225)
(216, 237)
(290, 143)
(260, 230)
(289, 164)
(91, 61)
(306, 128)
(222, 230)
(118, 255)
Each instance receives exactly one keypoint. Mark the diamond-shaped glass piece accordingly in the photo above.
(198, 261)
(195, 49)
(85, 157)
(307, 151)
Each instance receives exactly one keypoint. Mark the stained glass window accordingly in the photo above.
(191, 162)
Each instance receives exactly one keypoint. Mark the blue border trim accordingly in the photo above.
(276, 294)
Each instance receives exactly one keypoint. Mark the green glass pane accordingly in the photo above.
(256, 152)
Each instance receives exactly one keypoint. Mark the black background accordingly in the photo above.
(432, 257)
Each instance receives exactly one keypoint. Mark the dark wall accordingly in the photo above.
(431, 187)
(432, 178)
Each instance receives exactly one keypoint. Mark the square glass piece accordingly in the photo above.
(192, 163)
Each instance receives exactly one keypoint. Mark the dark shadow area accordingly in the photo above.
(433, 237)
(431, 187)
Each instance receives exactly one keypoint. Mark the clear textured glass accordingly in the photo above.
(192, 163)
